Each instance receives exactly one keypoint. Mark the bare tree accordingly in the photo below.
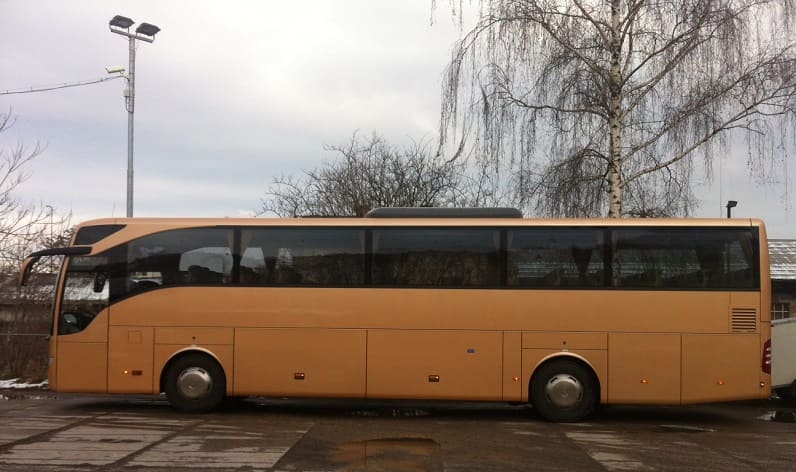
(23, 228)
(609, 104)
(367, 174)
(24, 312)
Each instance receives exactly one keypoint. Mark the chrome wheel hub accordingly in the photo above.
(564, 390)
(194, 382)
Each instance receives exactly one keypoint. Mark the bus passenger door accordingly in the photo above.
(435, 364)
(81, 343)
(81, 357)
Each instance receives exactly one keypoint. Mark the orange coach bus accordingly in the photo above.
(416, 303)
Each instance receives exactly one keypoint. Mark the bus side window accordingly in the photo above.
(303, 256)
(199, 256)
(691, 259)
(555, 257)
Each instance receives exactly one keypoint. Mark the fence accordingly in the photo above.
(25, 322)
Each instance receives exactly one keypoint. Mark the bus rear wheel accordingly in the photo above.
(195, 383)
(563, 391)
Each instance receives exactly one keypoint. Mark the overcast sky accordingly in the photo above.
(232, 94)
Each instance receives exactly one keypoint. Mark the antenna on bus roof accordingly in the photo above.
(436, 212)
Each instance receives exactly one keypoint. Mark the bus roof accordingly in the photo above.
(424, 221)
(127, 229)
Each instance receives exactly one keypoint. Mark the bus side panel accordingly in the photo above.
(741, 302)
(130, 359)
(720, 367)
(512, 367)
(644, 368)
(83, 358)
(300, 362)
(435, 364)
(82, 367)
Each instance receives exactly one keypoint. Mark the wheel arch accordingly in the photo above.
(568, 356)
(187, 351)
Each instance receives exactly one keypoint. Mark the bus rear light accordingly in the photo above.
(767, 357)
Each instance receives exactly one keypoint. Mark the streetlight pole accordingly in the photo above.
(145, 32)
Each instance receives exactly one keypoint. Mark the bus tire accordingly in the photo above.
(195, 383)
(563, 391)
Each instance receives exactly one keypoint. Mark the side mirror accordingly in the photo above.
(99, 282)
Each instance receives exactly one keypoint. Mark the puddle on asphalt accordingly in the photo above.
(389, 454)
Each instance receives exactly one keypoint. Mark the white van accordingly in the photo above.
(783, 358)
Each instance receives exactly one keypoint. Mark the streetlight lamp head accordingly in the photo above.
(122, 22)
(732, 204)
(114, 70)
(147, 29)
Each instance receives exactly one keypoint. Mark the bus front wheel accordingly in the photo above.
(195, 383)
(563, 391)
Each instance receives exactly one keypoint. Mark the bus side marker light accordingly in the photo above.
(299, 376)
(515, 378)
(433, 378)
(125, 372)
(645, 381)
(720, 382)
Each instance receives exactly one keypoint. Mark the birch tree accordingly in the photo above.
(612, 105)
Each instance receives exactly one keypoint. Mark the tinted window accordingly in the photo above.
(685, 258)
(92, 234)
(555, 257)
(180, 257)
(303, 256)
(442, 257)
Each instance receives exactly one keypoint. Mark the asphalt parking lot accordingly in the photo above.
(40, 431)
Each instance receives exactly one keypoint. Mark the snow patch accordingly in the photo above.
(16, 384)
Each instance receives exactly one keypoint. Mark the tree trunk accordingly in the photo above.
(615, 116)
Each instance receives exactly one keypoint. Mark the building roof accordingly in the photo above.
(783, 258)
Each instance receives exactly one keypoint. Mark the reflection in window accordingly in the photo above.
(555, 257)
(441, 257)
(303, 256)
(181, 257)
(684, 258)
(86, 293)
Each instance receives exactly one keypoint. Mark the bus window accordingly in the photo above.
(436, 257)
(303, 256)
(555, 257)
(714, 259)
(199, 256)
(86, 293)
